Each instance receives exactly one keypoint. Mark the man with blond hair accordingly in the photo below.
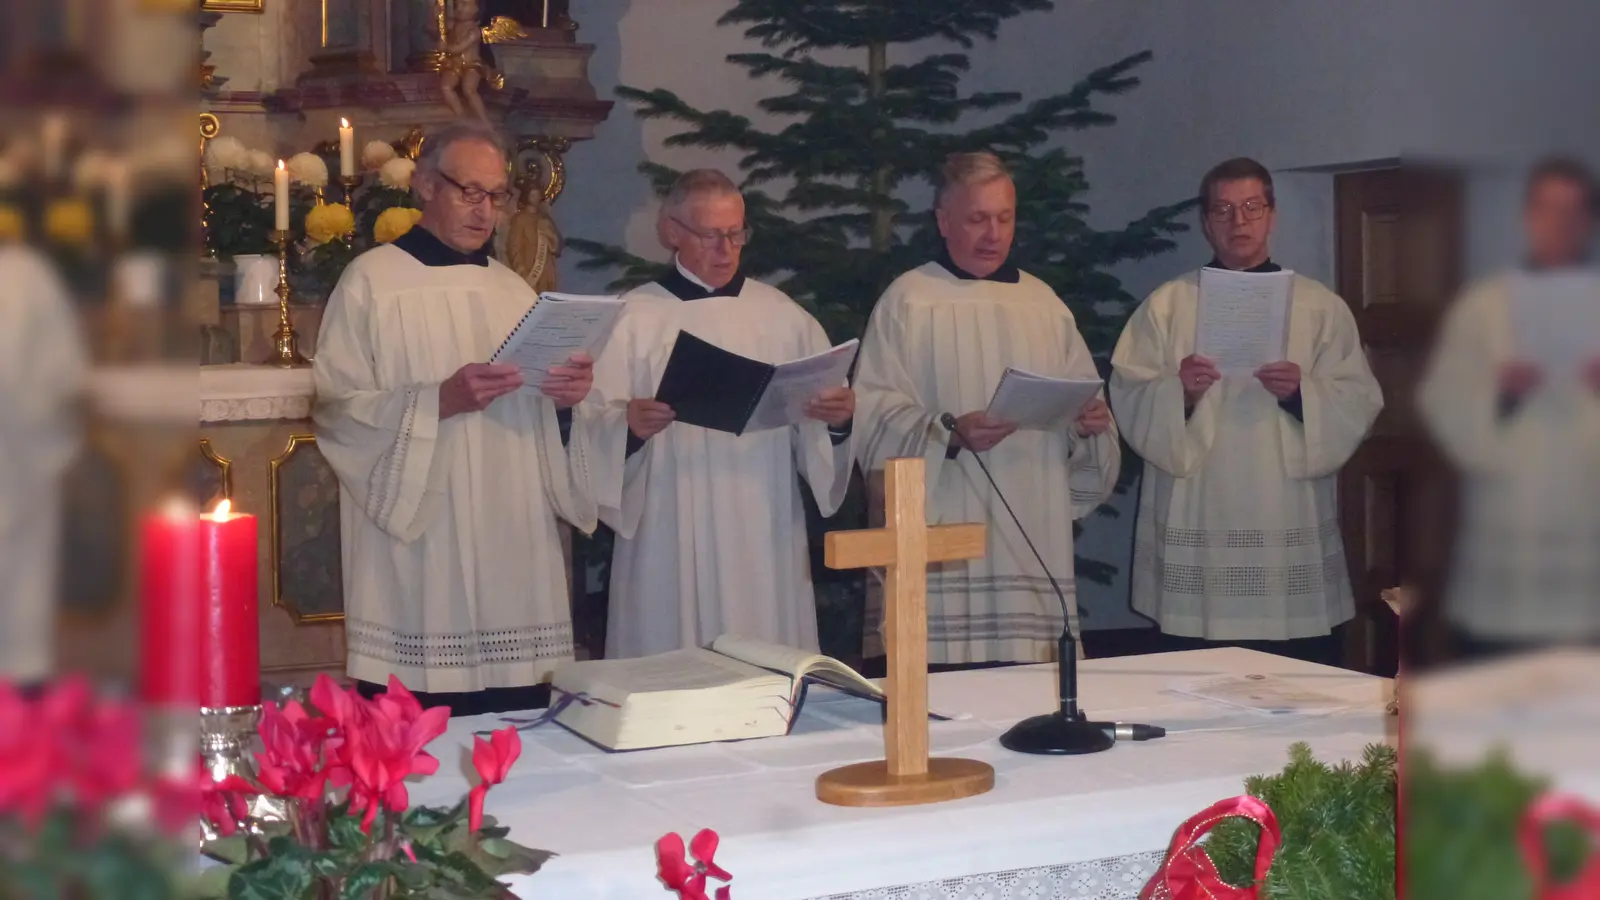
(939, 341)
(711, 529)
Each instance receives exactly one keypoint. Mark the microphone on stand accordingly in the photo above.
(1067, 731)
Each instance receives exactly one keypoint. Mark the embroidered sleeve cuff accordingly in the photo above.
(564, 422)
(1294, 405)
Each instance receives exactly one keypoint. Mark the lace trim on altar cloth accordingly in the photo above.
(457, 651)
(1118, 878)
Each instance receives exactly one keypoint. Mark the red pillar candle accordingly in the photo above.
(230, 638)
(169, 607)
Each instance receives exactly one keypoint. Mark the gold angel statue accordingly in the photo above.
(462, 68)
(532, 240)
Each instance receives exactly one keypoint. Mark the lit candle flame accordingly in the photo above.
(344, 123)
(280, 163)
(220, 511)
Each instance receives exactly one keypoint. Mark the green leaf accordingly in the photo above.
(234, 850)
(211, 883)
(284, 876)
(344, 831)
(360, 884)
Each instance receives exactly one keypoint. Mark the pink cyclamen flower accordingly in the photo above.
(689, 879)
(493, 759)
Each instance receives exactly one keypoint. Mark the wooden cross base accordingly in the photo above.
(906, 775)
(870, 784)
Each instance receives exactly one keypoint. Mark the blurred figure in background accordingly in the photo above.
(1512, 395)
(42, 371)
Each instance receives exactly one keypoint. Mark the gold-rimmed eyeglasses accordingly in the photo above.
(711, 240)
(1223, 212)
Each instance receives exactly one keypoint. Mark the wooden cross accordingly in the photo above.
(905, 548)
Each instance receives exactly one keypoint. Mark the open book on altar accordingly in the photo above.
(738, 689)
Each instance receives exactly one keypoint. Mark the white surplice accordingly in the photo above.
(710, 527)
(1526, 564)
(936, 344)
(43, 368)
(454, 577)
(1238, 527)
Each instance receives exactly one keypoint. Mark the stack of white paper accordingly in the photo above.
(1555, 318)
(1243, 321)
(1039, 402)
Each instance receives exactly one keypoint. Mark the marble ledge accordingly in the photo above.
(188, 394)
(252, 393)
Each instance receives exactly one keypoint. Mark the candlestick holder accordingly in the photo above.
(227, 738)
(350, 182)
(285, 343)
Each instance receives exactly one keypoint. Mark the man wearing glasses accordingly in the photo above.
(1237, 540)
(711, 531)
(451, 478)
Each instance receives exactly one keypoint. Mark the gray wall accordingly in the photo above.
(1298, 84)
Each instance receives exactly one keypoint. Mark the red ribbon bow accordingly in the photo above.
(1548, 810)
(1188, 872)
(689, 879)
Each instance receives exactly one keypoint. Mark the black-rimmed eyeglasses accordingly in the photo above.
(473, 196)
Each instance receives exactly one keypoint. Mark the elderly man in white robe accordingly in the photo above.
(1524, 435)
(452, 471)
(710, 526)
(939, 340)
(1237, 541)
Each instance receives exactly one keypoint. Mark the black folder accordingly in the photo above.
(711, 387)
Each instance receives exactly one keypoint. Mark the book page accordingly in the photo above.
(798, 664)
(794, 383)
(1243, 320)
(680, 670)
(558, 326)
(1038, 402)
(1555, 318)
(1262, 693)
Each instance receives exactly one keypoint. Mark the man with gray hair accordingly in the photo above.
(711, 535)
(940, 339)
(451, 471)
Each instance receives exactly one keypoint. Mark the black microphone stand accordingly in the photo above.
(1067, 731)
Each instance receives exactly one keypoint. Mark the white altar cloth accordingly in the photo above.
(602, 813)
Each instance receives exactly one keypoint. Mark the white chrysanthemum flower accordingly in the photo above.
(396, 173)
(260, 164)
(375, 154)
(308, 169)
(224, 154)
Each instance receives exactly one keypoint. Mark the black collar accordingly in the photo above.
(684, 289)
(1007, 273)
(430, 251)
(1268, 266)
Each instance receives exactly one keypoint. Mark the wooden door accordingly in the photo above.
(1399, 258)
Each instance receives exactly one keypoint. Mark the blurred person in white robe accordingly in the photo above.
(1237, 539)
(1525, 440)
(43, 370)
(939, 340)
(452, 472)
(710, 526)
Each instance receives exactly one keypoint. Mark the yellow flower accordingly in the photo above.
(393, 222)
(12, 227)
(327, 221)
(70, 222)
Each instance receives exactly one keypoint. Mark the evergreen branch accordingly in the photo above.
(636, 270)
(806, 25)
